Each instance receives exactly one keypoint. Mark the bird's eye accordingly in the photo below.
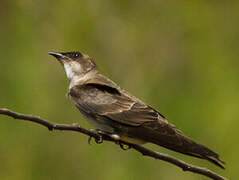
(77, 54)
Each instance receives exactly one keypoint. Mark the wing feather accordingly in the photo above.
(109, 102)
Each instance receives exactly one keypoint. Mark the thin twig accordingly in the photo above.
(97, 135)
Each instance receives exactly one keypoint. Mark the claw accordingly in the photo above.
(99, 141)
(122, 146)
(89, 140)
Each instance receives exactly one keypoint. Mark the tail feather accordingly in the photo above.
(216, 161)
(190, 147)
(171, 138)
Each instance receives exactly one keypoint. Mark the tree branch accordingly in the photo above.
(102, 136)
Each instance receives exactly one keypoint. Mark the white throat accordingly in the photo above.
(74, 73)
(72, 69)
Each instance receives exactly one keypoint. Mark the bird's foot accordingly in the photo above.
(119, 142)
(124, 146)
(98, 140)
(115, 137)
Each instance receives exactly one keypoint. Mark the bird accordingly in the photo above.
(116, 112)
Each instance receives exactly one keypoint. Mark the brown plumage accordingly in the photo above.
(115, 111)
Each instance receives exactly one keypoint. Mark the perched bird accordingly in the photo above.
(118, 113)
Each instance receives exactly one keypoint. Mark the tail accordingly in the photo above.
(171, 138)
(203, 152)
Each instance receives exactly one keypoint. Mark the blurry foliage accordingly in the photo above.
(179, 56)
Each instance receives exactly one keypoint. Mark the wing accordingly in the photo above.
(111, 102)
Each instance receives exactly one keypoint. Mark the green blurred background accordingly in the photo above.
(179, 56)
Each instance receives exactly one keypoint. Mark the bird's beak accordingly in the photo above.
(56, 55)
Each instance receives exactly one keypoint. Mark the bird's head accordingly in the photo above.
(75, 63)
